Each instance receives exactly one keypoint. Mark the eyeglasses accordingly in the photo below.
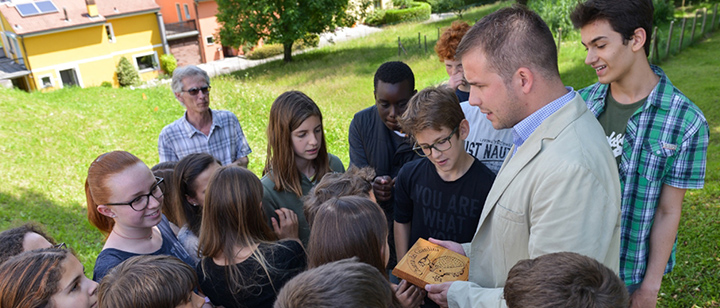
(141, 202)
(441, 145)
(61, 246)
(195, 91)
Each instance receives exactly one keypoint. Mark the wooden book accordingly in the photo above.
(427, 263)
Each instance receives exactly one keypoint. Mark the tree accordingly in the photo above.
(281, 21)
(127, 75)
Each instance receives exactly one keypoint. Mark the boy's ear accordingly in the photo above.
(638, 40)
(464, 129)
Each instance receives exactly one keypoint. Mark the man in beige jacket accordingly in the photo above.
(558, 190)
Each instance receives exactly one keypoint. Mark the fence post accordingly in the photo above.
(712, 24)
(419, 42)
(692, 33)
(438, 33)
(399, 46)
(425, 43)
(559, 38)
(667, 48)
(702, 29)
(682, 34)
(653, 47)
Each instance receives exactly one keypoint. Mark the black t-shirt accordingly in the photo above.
(285, 259)
(440, 209)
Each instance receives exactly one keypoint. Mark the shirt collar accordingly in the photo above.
(190, 130)
(525, 128)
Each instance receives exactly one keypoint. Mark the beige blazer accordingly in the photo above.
(559, 192)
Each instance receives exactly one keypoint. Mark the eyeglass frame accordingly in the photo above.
(60, 246)
(422, 148)
(156, 185)
(195, 91)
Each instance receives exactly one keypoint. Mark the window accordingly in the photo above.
(210, 40)
(110, 33)
(69, 78)
(187, 12)
(46, 81)
(179, 11)
(147, 62)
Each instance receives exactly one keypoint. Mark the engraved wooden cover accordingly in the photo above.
(427, 263)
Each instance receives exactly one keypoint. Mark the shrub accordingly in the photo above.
(663, 11)
(402, 4)
(376, 18)
(168, 63)
(417, 11)
(266, 51)
(556, 13)
(106, 84)
(127, 75)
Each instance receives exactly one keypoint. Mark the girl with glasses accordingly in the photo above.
(125, 202)
(49, 277)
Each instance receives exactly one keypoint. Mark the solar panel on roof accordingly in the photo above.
(27, 9)
(35, 8)
(46, 6)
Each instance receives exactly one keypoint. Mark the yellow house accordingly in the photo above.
(51, 44)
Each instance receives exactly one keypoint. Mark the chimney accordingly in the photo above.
(91, 8)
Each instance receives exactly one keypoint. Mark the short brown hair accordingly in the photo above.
(158, 281)
(511, 38)
(344, 283)
(564, 279)
(449, 40)
(354, 182)
(433, 107)
(11, 240)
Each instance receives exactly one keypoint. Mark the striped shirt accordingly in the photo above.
(523, 129)
(226, 141)
(665, 142)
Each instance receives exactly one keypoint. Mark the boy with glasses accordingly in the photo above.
(441, 196)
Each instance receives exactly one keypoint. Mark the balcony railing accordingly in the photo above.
(180, 27)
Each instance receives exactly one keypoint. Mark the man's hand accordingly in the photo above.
(449, 245)
(382, 187)
(643, 298)
(408, 295)
(287, 226)
(438, 292)
(242, 162)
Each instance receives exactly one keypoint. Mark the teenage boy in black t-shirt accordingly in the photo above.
(441, 196)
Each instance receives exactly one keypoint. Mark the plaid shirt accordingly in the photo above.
(226, 141)
(665, 143)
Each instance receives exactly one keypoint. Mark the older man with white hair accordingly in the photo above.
(201, 129)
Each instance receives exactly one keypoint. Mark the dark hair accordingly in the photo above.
(344, 283)
(97, 190)
(394, 72)
(345, 227)
(233, 217)
(158, 281)
(564, 279)
(31, 278)
(354, 182)
(165, 170)
(433, 107)
(511, 38)
(624, 16)
(11, 240)
(449, 40)
(183, 182)
(287, 113)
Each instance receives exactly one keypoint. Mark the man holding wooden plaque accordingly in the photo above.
(558, 189)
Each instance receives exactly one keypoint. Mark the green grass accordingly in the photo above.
(47, 140)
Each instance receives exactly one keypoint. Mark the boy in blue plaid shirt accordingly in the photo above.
(659, 137)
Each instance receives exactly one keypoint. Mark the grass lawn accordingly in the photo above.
(47, 140)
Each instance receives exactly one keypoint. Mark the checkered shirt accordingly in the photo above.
(523, 129)
(665, 142)
(226, 140)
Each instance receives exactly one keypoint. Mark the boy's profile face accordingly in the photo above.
(607, 53)
(447, 160)
(391, 100)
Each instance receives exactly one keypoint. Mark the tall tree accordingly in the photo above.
(280, 21)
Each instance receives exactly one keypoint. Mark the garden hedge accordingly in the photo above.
(416, 11)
